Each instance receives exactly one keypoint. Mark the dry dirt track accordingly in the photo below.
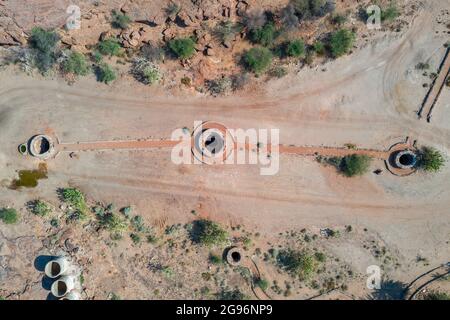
(366, 99)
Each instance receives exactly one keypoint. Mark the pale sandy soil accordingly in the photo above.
(369, 98)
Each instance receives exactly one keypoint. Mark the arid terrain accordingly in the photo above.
(369, 99)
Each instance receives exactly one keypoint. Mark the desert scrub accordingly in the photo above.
(119, 20)
(390, 13)
(135, 238)
(341, 42)
(215, 259)
(262, 283)
(208, 233)
(9, 215)
(105, 73)
(295, 48)
(109, 47)
(75, 198)
(235, 294)
(430, 159)
(45, 44)
(355, 165)
(152, 74)
(225, 31)
(76, 64)
(40, 208)
(319, 48)
(299, 263)
(219, 86)
(436, 295)
(183, 48)
(152, 52)
(263, 36)
(258, 59)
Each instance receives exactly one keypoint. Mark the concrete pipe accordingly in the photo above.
(62, 286)
(56, 267)
(72, 295)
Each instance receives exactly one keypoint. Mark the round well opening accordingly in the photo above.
(407, 159)
(42, 145)
(236, 256)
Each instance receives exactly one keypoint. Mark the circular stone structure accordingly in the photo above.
(212, 143)
(23, 149)
(234, 256)
(41, 146)
(405, 159)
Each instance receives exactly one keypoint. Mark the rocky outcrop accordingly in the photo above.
(10, 33)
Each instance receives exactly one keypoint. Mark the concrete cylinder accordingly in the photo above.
(56, 267)
(72, 295)
(62, 286)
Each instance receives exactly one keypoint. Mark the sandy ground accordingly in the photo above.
(369, 99)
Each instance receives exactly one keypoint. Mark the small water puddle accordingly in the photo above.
(29, 178)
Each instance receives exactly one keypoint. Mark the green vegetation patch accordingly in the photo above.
(109, 47)
(355, 165)
(76, 63)
(40, 208)
(119, 20)
(106, 73)
(299, 263)
(208, 233)
(258, 59)
(341, 42)
(45, 43)
(183, 48)
(296, 48)
(9, 216)
(430, 159)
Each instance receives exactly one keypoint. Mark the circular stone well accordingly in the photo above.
(234, 256)
(41, 146)
(405, 159)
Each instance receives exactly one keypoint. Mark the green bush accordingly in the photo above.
(436, 295)
(106, 74)
(263, 36)
(214, 259)
(9, 216)
(152, 74)
(235, 294)
(208, 233)
(319, 48)
(341, 42)
(119, 20)
(339, 19)
(76, 63)
(297, 262)
(295, 48)
(258, 59)
(262, 283)
(313, 8)
(430, 159)
(75, 198)
(390, 13)
(183, 48)
(135, 238)
(109, 47)
(355, 165)
(45, 43)
(40, 208)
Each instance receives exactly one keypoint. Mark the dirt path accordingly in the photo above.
(149, 144)
(436, 88)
